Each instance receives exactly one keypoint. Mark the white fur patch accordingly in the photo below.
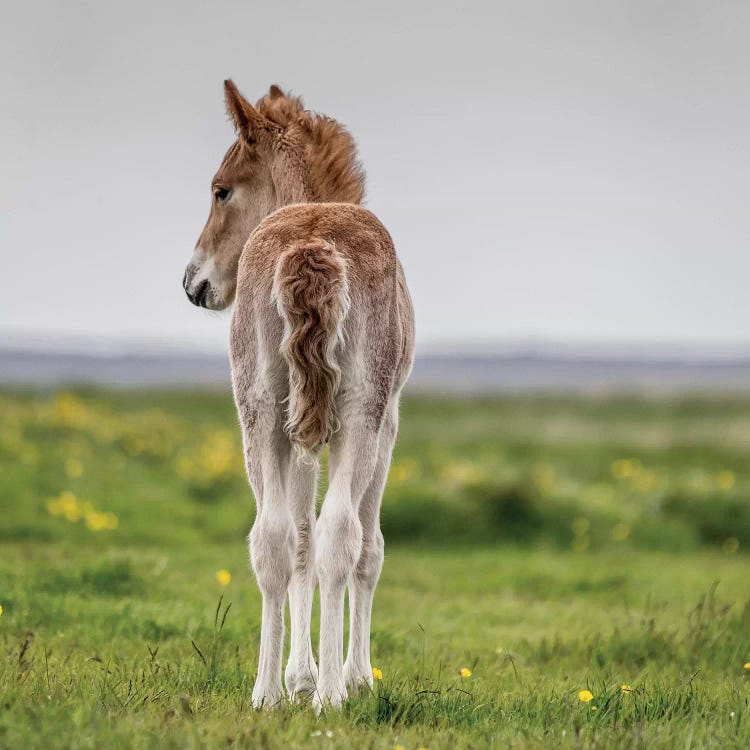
(204, 266)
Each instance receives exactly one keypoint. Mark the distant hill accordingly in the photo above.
(454, 373)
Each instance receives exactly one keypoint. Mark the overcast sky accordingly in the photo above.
(564, 172)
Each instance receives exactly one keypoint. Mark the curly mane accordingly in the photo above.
(334, 172)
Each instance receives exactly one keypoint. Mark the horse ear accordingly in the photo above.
(274, 92)
(245, 117)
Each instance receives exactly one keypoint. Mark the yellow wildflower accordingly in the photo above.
(65, 505)
(69, 410)
(594, 708)
(585, 696)
(377, 673)
(398, 747)
(73, 510)
(626, 688)
(465, 673)
(96, 521)
(747, 665)
(1, 611)
(224, 577)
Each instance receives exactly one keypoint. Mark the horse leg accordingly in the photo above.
(271, 539)
(301, 673)
(357, 668)
(338, 542)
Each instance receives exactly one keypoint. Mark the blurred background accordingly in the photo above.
(567, 187)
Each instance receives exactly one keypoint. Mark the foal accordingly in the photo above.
(322, 342)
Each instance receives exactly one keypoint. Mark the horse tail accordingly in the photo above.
(311, 294)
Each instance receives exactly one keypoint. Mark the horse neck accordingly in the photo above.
(291, 178)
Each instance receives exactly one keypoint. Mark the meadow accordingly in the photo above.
(560, 572)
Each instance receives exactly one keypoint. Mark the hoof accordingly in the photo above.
(357, 678)
(328, 699)
(301, 682)
(267, 700)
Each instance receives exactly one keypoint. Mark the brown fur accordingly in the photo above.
(346, 245)
(310, 289)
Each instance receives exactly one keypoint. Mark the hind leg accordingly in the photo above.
(272, 538)
(301, 673)
(338, 540)
(357, 669)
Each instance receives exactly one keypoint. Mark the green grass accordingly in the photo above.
(550, 545)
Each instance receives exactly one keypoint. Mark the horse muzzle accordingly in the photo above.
(198, 293)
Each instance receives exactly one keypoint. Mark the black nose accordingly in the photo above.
(198, 297)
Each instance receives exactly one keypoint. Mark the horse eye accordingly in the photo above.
(222, 195)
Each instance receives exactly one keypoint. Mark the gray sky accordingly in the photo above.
(567, 172)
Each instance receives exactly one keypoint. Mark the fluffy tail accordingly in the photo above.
(311, 293)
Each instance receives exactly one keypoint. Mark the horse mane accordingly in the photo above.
(334, 172)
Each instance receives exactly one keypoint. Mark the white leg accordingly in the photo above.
(301, 674)
(338, 545)
(271, 540)
(357, 668)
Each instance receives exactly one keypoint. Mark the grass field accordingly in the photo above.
(550, 546)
